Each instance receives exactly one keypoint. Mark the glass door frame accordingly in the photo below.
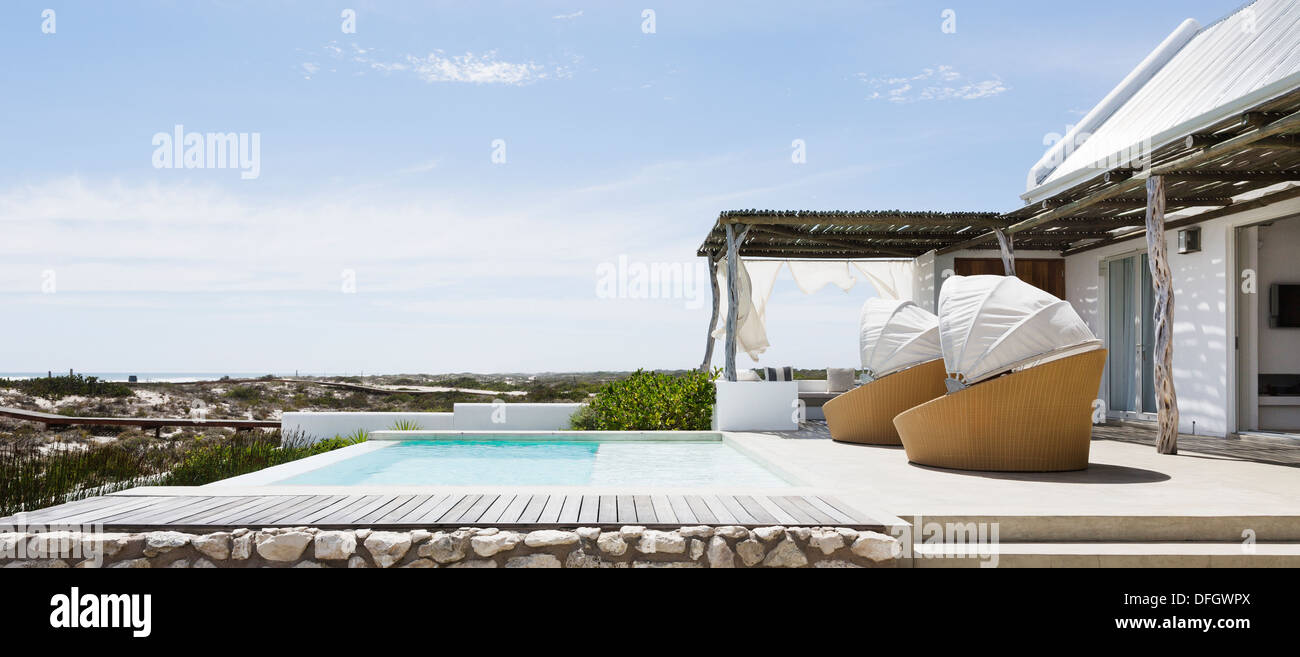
(1105, 307)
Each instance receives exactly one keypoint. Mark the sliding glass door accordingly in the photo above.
(1130, 337)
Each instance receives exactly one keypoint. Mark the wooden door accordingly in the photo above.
(1044, 273)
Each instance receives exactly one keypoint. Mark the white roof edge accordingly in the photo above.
(1195, 124)
(1139, 76)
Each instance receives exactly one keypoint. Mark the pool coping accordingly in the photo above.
(268, 479)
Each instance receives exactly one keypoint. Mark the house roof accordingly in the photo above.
(1195, 78)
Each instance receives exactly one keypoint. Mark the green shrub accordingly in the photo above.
(246, 394)
(650, 401)
(58, 387)
(406, 425)
(34, 475)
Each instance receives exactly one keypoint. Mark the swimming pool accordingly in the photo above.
(509, 460)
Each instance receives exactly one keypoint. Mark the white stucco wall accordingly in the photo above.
(1203, 328)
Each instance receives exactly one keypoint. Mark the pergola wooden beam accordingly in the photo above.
(1208, 148)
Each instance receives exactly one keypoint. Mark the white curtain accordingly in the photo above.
(813, 275)
(891, 278)
(757, 279)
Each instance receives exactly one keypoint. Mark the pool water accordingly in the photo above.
(545, 463)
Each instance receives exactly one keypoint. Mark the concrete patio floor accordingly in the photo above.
(1123, 480)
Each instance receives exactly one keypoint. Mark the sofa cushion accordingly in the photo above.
(747, 375)
(779, 373)
(839, 379)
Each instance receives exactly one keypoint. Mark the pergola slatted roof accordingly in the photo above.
(1206, 169)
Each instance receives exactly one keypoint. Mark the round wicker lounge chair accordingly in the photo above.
(1036, 420)
(866, 413)
(901, 354)
(1024, 370)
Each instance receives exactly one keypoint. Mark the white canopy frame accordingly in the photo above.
(897, 334)
(990, 325)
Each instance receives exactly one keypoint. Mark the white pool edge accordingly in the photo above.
(271, 477)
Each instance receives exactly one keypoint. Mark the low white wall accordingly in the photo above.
(756, 406)
(323, 425)
(514, 417)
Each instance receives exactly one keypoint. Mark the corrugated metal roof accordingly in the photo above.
(1254, 47)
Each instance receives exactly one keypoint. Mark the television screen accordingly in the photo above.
(1286, 305)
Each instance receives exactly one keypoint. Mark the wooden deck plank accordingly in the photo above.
(186, 515)
(435, 512)
(250, 502)
(516, 509)
(401, 510)
(534, 509)
(39, 516)
(720, 510)
(840, 517)
(551, 512)
(418, 511)
(341, 503)
(217, 511)
(626, 508)
(382, 510)
(95, 516)
(777, 514)
(663, 509)
(160, 506)
(275, 510)
(645, 510)
(608, 514)
(353, 514)
(285, 514)
(493, 513)
(589, 514)
(800, 516)
(475, 511)
(737, 510)
(569, 512)
(682, 510)
(299, 514)
(454, 512)
(341, 514)
(701, 510)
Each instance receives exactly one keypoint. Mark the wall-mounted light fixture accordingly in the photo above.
(1189, 240)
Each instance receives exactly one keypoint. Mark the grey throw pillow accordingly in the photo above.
(839, 379)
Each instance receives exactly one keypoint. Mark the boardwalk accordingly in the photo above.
(156, 423)
(204, 513)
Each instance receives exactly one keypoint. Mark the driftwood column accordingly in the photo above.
(1008, 254)
(713, 318)
(1162, 279)
(733, 298)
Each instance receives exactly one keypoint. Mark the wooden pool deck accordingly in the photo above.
(207, 513)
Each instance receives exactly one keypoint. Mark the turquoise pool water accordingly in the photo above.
(545, 463)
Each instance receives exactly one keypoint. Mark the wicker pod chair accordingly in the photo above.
(1023, 373)
(901, 356)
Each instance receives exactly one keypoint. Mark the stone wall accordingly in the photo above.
(584, 547)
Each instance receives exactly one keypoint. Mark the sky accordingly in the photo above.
(443, 187)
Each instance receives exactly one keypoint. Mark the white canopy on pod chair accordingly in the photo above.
(896, 335)
(989, 325)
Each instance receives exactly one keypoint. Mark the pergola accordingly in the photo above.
(1201, 169)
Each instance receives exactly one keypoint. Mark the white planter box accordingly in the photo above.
(756, 406)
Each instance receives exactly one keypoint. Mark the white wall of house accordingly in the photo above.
(1204, 326)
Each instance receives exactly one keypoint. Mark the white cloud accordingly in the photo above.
(939, 83)
(565, 17)
(437, 66)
